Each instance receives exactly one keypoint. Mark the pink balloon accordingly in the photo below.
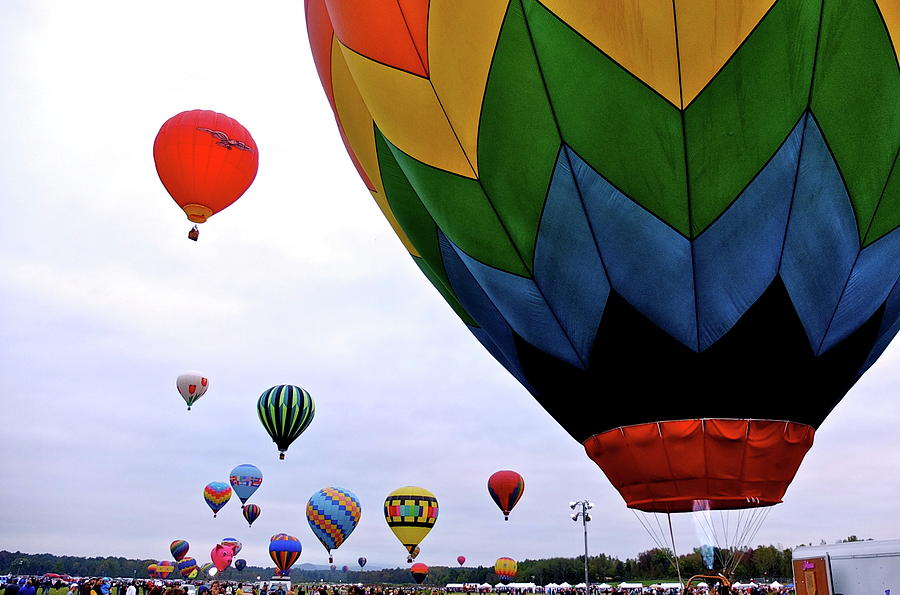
(221, 556)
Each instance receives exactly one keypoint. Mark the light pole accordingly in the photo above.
(585, 516)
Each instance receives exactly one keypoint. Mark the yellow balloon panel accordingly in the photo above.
(709, 33)
(890, 12)
(462, 35)
(407, 111)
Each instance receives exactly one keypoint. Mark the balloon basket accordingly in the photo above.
(194, 233)
(281, 456)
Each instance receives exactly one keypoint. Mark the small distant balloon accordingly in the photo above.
(179, 548)
(151, 570)
(333, 567)
(361, 561)
(233, 544)
(506, 488)
(419, 571)
(345, 568)
(240, 564)
(461, 560)
(251, 513)
(217, 494)
(245, 479)
(192, 385)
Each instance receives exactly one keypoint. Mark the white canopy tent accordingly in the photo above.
(775, 585)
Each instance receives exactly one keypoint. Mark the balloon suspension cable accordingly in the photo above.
(658, 536)
(674, 551)
(731, 540)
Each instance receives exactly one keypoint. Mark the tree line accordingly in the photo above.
(762, 561)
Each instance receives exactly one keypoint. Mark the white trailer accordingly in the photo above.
(854, 568)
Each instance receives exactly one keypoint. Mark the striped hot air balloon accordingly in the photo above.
(179, 548)
(505, 568)
(285, 412)
(251, 513)
(284, 550)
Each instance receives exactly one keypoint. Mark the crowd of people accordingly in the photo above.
(103, 586)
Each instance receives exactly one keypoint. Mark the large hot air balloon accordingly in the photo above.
(245, 479)
(419, 571)
(240, 564)
(361, 561)
(285, 412)
(284, 550)
(187, 566)
(216, 494)
(506, 488)
(251, 513)
(332, 514)
(233, 543)
(164, 568)
(191, 385)
(683, 242)
(205, 160)
(505, 569)
(461, 560)
(152, 570)
(410, 512)
(179, 548)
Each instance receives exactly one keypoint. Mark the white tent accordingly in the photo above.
(551, 586)
(672, 586)
(565, 585)
(580, 586)
(631, 585)
(704, 585)
(484, 586)
(775, 585)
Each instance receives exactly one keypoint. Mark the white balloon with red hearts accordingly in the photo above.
(192, 385)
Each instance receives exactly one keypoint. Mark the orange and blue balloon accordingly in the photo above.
(506, 488)
(245, 479)
(251, 513)
(419, 571)
(332, 514)
(284, 550)
(217, 494)
(164, 568)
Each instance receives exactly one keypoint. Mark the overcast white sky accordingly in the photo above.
(103, 302)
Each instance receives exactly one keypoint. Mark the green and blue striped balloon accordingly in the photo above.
(285, 412)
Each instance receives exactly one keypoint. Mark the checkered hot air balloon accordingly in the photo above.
(284, 550)
(676, 224)
(505, 569)
(217, 494)
(410, 512)
(285, 412)
(332, 514)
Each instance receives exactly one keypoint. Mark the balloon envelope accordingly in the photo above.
(233, 543)
(410, 512)
(191, 385)
(251, 513)
(164, 569)
(205, 160)
(285, 412)
(506, 488)
(284, 550)
(186, 566)
(505, 568)
(461, 560)
(419, 571)
(332, 514)
(221, 556)
(217, 494)
(179, 548)
(240, 564)
(152, 570)
(245, 479)
(361, 561)
(672, 255)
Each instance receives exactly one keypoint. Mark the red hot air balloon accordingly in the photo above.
(461, 560)
(506, 487)
(419, 571)
(206, 161)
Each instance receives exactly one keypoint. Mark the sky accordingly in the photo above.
(103, 302)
